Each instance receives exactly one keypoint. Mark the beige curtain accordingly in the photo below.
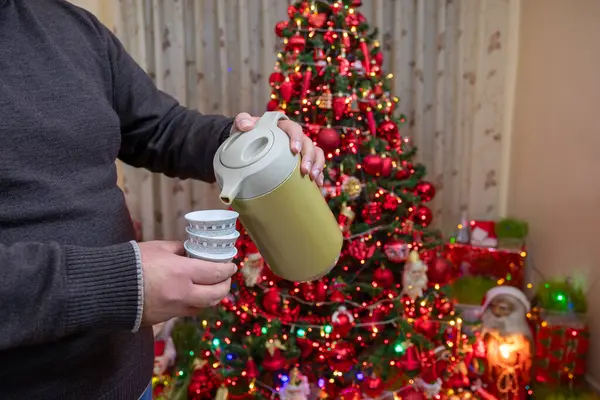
(448, 57)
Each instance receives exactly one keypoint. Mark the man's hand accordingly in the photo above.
(313, 159)
(177, 286)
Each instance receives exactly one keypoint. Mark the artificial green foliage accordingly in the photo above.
(471, 289)
(511, 228)
(561, 296)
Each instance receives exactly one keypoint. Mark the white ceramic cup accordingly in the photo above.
(216, 258)
(212, 223)
(212, 244)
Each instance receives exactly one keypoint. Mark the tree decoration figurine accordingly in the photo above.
(414, 278)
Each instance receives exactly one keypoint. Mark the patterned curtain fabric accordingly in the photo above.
(448, 58)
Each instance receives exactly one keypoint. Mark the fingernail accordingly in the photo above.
(297, 146)
(246, 123)
(320, 180)
(307, 165)
(315, 173)
(235, 268)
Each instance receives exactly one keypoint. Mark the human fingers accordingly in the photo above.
(244, 122)
(202, 296)
(294, 131)
(208, 273)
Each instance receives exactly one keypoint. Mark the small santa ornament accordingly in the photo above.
(253, 266)
(483, 234)
(414, 278)
(504, 310)
(164, 348)
(297, 387)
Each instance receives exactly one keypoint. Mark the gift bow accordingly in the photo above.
(274, 345)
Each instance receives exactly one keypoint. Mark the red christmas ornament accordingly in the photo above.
(373, 386)
(328, 139)
(292, 11)
(371, 212)
(330, 36)
(378, 90)
(422, 216)
(202, 383)
(251, 369)
(390, 202)
(404, 173)
(351, 393)
(425, 190)
(440, 271)
(387, 164)
(384, 277)
(352, 20)
(388, 130)
(289, 314)
(339, 106)
(280, 27)
(411, 393)
(342, 322)
(367, 102)
(344, 64)
(271, 301)
(306, 82)
(371, 121)
(276, 79)
(296, 43)
(372, 164)
(337, 7)
(351, 143)
(378, 58)
(274, 362)
(317, 20)
(361, 250)
(286, 89)
(319, 54)
(320, 290)
(366, 60)
(342, 356)
(396, 250)
(272, 105)
(337, 296)
(410, 360)
(356, 3)
(305, 345)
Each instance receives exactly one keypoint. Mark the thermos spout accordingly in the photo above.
(229, 191)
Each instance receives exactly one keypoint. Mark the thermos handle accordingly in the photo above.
(271, 119)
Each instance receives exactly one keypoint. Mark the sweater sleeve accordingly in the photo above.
(157, 132)
(48, 291)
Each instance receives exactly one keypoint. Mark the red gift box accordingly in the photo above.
(562, 342)
(502, 264)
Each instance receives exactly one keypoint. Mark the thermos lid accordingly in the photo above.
(251, 164)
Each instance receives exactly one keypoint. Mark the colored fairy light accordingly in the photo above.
(321, 382)
(360, 376)
(328, 329)
(301, 332)
(216, 342)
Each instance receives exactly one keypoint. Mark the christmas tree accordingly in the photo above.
(380, 322)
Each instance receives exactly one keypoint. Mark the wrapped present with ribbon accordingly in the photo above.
(562, 341)
(507, 266)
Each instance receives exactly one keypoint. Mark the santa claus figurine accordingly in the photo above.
(508, 341)
(297, 388)
(253, 266)
(164, 348)
(414, 278)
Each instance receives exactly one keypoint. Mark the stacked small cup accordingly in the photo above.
(212, 235)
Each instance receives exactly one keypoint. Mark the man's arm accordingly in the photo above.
(48, 291)
(157, 132)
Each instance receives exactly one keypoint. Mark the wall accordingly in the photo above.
(555, 144)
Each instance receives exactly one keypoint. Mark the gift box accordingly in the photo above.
(562, 341)
(505, 265)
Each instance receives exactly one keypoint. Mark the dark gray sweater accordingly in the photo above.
(71, 102)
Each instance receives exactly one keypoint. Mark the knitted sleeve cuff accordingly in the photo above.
(105, 287)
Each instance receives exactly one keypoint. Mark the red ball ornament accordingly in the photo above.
(388, 130)
(317, 20)
(425, 190)
(396, 250)
(296, 43)
(371, 212)
(286, 90)
(342, 322)
(352, 20)
(378, 58)
(330, 36)
(271, 301)
(384, 277)
(378, 90)
(440, 271)
(272, 105)
(412, 394)
(404, 173)
(422, 216)
(292, 11)
(337, 296)
(328, 139)
(373, 386)
(387, 164)
(356, 3)
(320, 290)
(351, 393)
(280, 27)
(276, 79)
(390, 202)
(361, 250)
(372, 164)
(342, 356)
